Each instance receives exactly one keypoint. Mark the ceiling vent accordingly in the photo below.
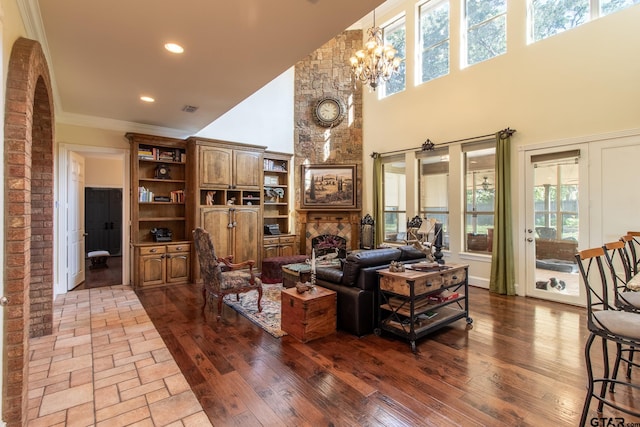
(189, 109)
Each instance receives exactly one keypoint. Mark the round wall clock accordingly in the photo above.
(329, 111)
(162, 172)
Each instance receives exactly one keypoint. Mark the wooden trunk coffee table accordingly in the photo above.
(309, 315)
(293, 273)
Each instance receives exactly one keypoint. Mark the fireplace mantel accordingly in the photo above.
(344, 223)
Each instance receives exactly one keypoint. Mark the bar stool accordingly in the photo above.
(607, 323)
(632, 240)
(619, 263)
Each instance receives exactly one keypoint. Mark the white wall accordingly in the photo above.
(265, 118)
(581, 82)
(103, 172)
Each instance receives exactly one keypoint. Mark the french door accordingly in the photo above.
(556, 222)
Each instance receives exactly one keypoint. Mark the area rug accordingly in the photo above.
(269, 318)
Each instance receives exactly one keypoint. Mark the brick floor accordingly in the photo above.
(106, 365)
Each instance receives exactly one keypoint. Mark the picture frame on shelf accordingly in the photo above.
(328, 187)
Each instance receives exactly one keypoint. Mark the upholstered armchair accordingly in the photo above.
(236, 279)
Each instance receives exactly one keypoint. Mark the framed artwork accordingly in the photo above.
(328, 187)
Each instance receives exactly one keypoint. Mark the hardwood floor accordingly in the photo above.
(521, 364)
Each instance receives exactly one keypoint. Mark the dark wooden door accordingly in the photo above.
(103, 219)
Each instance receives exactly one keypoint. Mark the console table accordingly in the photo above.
(416, 302)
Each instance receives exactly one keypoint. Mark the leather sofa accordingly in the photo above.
(356, 284)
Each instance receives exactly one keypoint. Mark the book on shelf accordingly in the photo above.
(161, 154)
(145, 195)
(427, 315)
(177, 196)
(443, 296)
(145, 153)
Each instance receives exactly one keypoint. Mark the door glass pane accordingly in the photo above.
(556, 185)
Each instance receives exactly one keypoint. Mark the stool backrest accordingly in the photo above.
(594, 272)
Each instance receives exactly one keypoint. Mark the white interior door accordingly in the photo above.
(75, 221)
(557, 223)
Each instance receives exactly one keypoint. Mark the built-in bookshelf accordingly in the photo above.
(276, 190)
(159, 212)
(278, 240)
(158, 173)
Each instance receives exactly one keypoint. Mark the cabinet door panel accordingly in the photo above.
(216, 222)
(178, 266)
(270, 251)
(287, 250)
(152, 270)
(215, 166)
(246, 237)
(247, 168)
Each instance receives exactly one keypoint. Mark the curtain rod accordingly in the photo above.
(430, 146)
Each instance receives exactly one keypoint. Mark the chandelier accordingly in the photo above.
(375, 61)
(485, 184)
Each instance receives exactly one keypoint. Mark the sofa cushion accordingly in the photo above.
(329, 274)
(361, 259)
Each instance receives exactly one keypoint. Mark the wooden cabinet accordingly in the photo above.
(162, 264)
(416, 302)
(159, 182)
(227, 168)
(228, 196)
(233, 230)
(275, 246)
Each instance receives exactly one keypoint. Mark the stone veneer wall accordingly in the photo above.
(326, 72)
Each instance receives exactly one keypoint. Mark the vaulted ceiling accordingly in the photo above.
(103, 55)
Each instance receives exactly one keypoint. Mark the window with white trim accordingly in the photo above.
(434, 189)
(550, 17)
(434, 39)
(479, 211)
(486, 29)
(394, 188)
(395, 34)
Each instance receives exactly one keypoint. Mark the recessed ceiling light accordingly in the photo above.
(174, 48)
(147, 99)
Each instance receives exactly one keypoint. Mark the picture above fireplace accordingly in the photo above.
(328, 187)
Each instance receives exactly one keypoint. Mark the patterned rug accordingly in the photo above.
(269, 318)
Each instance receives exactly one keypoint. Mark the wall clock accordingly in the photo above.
(162, 172)
(329, 111)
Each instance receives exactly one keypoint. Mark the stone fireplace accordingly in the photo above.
(329, 244)
(316, 224)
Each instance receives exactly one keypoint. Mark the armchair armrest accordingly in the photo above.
(227, 261)
(234, 266)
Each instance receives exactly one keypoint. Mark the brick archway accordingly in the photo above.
(28, 245)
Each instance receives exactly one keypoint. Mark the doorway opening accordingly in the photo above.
(103, 233)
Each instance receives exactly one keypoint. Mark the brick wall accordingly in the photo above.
(28, 242)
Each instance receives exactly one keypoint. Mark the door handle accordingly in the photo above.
(4, 301)
(529, 239)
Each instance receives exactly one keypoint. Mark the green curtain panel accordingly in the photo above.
(378, 209)
(502, 260)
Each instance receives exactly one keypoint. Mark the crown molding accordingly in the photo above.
(32, 20)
